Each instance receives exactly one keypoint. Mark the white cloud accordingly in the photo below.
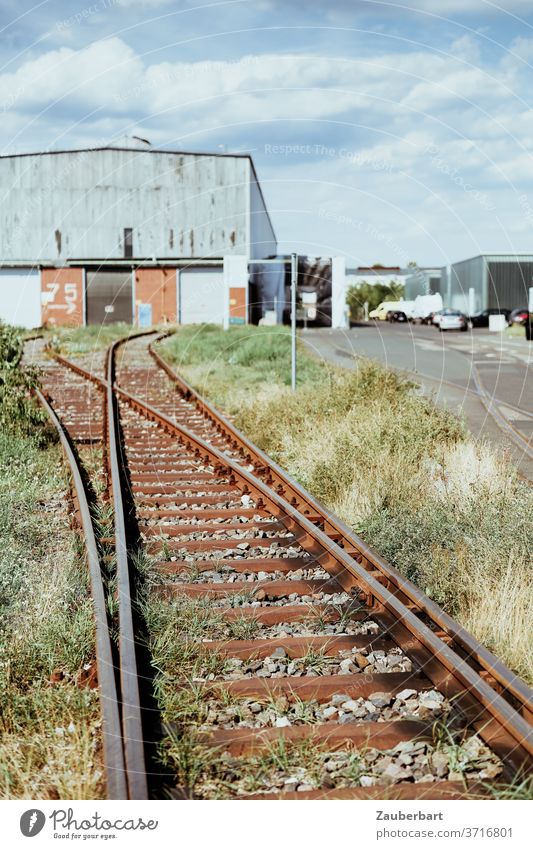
(415, 138)
(90, 77)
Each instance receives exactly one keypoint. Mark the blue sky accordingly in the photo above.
(381, 131)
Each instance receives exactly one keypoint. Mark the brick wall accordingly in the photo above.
(156, 286)
(62, 296)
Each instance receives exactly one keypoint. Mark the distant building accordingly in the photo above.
(128, 232)
(487, 281)
(423, 281)
(376, 274)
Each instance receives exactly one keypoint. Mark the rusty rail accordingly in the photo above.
(130, 710)
(131, 707)
(111, 726)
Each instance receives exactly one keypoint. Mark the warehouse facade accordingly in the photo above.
(489, 281)
(130, 233)
(423, 281)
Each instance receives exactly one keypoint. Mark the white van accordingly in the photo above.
(425, 305)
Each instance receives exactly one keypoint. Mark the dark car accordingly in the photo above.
(396, 315)
(519, 316)
(481, 319)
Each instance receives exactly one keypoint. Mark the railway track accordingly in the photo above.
(314, 669)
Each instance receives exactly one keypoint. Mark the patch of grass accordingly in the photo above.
(243, 628)
(519, 790)
(177, 651)
(50, 743)
(47, 634)
(211, 774)
(84, 340)
(464, 538)
(258, 358)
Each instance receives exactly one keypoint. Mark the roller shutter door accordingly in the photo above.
(202, 296)
(20, 297)
(109, 297)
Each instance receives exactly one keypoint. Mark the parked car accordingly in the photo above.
(481, 318)
(425, 306)
(380, 313)
(519, 316)
(436, 316)
(385, 307)
(396, 315)
(453, 320)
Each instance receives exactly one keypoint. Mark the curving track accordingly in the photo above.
(339, 637)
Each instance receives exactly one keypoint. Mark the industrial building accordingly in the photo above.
(129, 232)
(423, 281)
(376, 274)
(488, 281)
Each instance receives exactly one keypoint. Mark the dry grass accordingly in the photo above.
(49, 732)
(449, 512)
(84, 340)
(49, 745)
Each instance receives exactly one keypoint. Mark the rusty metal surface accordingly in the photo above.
(116, 783)
(131, 708)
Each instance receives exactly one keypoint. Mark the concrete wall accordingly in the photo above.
(339, 287)
(77, 204)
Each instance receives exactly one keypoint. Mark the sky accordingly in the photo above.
(382, 131)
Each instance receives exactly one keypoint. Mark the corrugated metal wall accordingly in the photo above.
(466, 275)
(434, 282)
(500, 281)
(445, 285)
(416, 284)
(422, 282)
(78, 204)
(262, 237)
(508, 283)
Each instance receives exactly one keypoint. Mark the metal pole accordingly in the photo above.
(294, 283)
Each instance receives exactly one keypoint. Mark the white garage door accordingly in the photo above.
(202, 296)
(20, 297)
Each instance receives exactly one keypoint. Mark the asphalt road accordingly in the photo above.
(453, 368)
